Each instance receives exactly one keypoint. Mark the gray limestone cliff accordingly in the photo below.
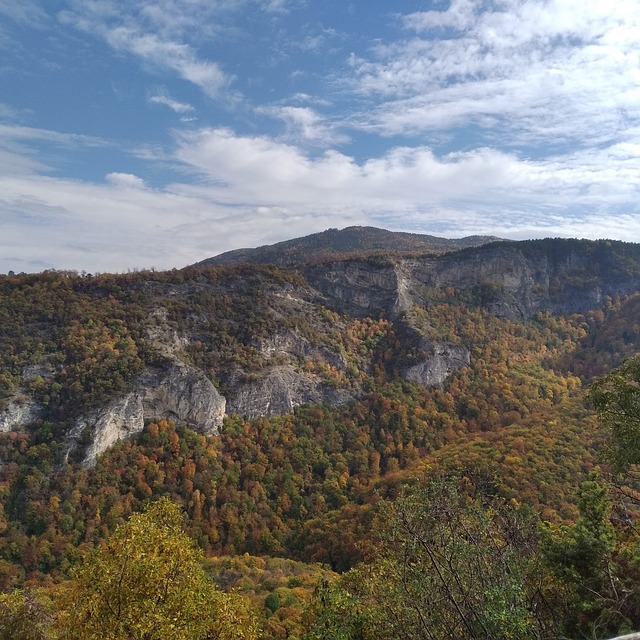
(180, 393)
(512, 280)
(443, 360)
(20, 411)
(279, 391)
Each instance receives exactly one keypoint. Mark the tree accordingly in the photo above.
(449, 565)
(596, 572)
(616, 397)
(25, 615)
(146, 582)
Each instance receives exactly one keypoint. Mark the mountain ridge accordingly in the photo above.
(349, 242)
(260, 340)
(276, 405)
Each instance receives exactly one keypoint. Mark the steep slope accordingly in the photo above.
(277, 405)
(511, 279)
(101, 356)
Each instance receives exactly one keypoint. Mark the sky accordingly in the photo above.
(157, 133)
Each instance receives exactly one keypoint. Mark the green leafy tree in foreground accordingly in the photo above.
(25, 615)
(595, 574)
(449, 565)
(616, 398)
(147, 582)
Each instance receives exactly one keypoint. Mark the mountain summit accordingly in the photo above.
(337, 244)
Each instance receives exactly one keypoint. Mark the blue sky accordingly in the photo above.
(160, 132)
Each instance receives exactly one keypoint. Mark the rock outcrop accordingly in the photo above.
(180, 393)
(274, 341)
(443, 361)
(20, 412)
(512, 280)
(279, 391)
(183, 394)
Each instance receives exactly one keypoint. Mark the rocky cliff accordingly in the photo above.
(178, 392)
(511, 279)
(259, 341)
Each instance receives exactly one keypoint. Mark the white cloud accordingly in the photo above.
(559, 75)
(133, 33)
(178, 57)
(304, 124)
(535, 71)
(260, 171)
(276, 6)
(15, 132)
(174, 105)
(253, 190)
(126, 180)
(27, 150)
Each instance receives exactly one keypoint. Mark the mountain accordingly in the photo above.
(279, 404)
(106, 354)
(335, 244)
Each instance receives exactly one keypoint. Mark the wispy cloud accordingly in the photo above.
(138, 33)
(305, 125)
(505, 117)
(174, 105)
(530, 72)
(17, 132)
(25, 12)
(267, 190)
(8, 113)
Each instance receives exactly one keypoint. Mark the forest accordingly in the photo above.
(499, 503)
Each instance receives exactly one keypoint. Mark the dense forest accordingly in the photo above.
(495, 503)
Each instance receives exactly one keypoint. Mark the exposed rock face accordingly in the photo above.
(164, 338)
(279, 391)
(20, 412)
(119, 420)
(291, 344)
(445, 359)
(181, 393)
(356, 286)
(509, 279)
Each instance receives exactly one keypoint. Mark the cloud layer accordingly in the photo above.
(511, 118)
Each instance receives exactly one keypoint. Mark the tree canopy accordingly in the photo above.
(147, 582)
(616, 397)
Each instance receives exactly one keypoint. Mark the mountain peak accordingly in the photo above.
(337, 244)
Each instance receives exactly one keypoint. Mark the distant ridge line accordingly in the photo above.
(337, 244)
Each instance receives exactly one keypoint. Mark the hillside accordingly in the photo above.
(337, 244)
(280, 406)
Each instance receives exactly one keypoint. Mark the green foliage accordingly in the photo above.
(306, 485)
(335, 613)
(269, 582)
(147, 581)
(596, 582)
(447, 565)
(25, 615)
(302, 485)
(272, 602)
(616, 397)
